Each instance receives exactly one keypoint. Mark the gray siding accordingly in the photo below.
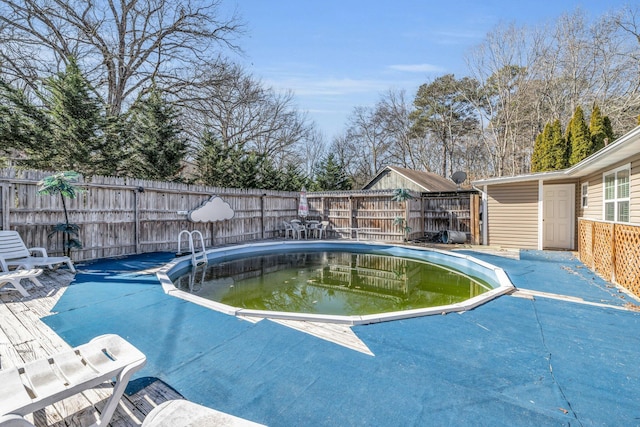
(513, 215)
(390, 180)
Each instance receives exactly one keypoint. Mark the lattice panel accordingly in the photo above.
(585, 239)
(627, 260)
(603, 249)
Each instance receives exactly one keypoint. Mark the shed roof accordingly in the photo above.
(428, 181)
(616, 152)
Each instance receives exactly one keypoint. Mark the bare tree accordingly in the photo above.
(240, 111)
(121, 44)
(394, 110)
(369, 143)
(501, 64)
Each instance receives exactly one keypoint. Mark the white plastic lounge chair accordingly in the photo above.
(13, 278)
(182, 413)
(13, 252)
(40, 383)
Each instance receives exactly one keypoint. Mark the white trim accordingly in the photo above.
(485, 217)
(616, 199)
(540, 214)
(584, 194)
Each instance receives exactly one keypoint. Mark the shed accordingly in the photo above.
(392, 177)
(542, 210)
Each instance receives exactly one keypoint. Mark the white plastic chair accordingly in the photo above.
(288, 230)
(298, 228)
(312, 228)
(13, 252)
(13, 278)
(182, 413)
(322, 228)
(38, 384)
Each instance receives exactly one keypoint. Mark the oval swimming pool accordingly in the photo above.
(334, 281)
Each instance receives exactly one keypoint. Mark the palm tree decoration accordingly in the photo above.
(64, 183)
(402, 195)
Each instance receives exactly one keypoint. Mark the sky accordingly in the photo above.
(337, 55)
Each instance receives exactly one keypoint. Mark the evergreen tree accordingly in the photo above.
(112, 158)
(539, 157)
(291, 179)
(23, 126)
(223, 166)
(215, 162)
(581, 145)
(158, 146)
(67, 131)
(600, 129)
(330, 175)
(558, 148)
(75, 123)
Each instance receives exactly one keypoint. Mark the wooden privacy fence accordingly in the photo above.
(612, 250)
(455, 211)
(123, 216)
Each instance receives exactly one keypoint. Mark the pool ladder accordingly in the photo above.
(197, 258)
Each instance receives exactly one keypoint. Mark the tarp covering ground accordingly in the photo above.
(512, 361)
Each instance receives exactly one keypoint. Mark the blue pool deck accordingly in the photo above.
(562, 351)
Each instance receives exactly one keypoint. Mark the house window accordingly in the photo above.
(585, 195)
(616, 195)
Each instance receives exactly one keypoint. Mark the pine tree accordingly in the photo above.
(538, 154)
(608, 131)
(215, 163)
(291, 179)
(158, 146)
(581, 146)
(75, 122)
(330, 175)
(558, 147)
(600, 129)
(111, 159)
(23, 126)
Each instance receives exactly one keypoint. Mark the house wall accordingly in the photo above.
(390, 181)
(513, 215)
(594, 208)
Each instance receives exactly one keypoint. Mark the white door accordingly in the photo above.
(558, 216)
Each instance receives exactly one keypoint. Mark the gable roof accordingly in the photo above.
(428, 181)
(616, 152)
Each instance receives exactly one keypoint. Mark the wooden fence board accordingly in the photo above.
(122, 216)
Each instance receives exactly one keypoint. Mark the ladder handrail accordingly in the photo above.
(196, 258)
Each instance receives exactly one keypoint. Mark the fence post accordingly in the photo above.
(136, 218)
(474, 218)
(4, 205)
(262, 213)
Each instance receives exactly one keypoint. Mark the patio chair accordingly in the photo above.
(183, 413)
(13, 252)
(298, 228)
(312, 228)
(40, 383)
(322, 228)
(13, 278)
(288, 230)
